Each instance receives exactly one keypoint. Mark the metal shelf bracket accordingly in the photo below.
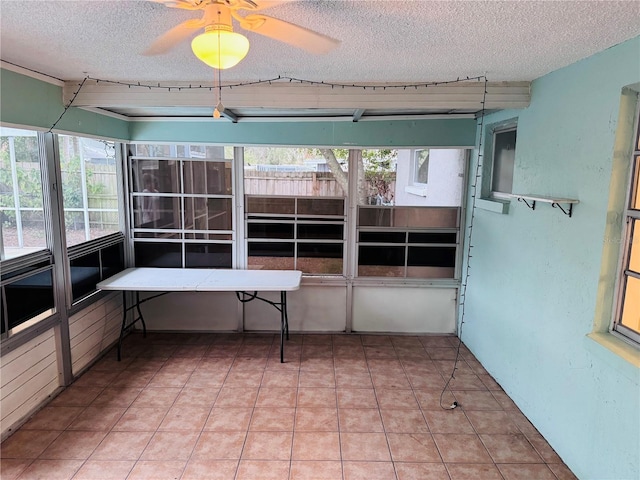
(556, 202)
(566, 212)
(531, 205)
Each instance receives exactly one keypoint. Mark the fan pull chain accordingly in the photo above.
(219, 107)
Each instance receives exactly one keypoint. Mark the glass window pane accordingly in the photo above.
(383, 237)
(431, 217)
(415, 237)
(430, 272)
(374, 217)
(320, 258)
(377, 174)
(112, 259)
(635, 191)
(164, 235)
(208, 236)
(504, 154)
(212, 178)
(270, 230)
(156, 212)
(28, 297)
(432, 256)
(381, 255)
(21, 204)
(320, 206)
(153, 176)
(212, 255)
(631, 304)
(634, 253)
(75, 228)
(85, 273)
(284, 206)
(158, 254)
(181, 151)
(431, 262)
(271, 256)
(421, 166)
(207, 214)
(295, 172)
(376, 261)
(320, 231)
(89, 188)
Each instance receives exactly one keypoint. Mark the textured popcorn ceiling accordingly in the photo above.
(382, 41)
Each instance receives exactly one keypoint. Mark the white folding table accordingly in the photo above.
(246, 284)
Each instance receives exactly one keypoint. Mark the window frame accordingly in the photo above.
(296, 219)
(406, 244)
(181, 232)
(56, 254)
(631, 222)
(503, 128)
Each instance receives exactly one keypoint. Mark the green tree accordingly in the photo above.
(376, 171)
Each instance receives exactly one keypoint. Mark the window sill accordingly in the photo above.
(420, 191)
(493, 205)
(621, 349)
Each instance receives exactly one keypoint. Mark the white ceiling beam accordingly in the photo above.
(455, 96)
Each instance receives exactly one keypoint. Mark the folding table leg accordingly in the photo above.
(124, 323)
(283, 301)
(144, 325)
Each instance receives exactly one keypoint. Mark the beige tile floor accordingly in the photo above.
(222, 406)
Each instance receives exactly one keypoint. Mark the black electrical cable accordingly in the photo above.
(463, 287)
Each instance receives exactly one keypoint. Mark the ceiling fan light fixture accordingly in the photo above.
(220, 48)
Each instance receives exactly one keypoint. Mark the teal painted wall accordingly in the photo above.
(534, 275)
(26, 101)
(434, 132)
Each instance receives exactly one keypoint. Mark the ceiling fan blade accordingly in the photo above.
(264, 4)
(172, 37)
(185, 4)
(286, 32)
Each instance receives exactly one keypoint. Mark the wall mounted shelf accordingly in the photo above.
(530, 201)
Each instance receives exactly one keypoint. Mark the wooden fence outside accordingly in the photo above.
(299, 184)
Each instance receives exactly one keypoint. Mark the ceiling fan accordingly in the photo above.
(217, 22)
